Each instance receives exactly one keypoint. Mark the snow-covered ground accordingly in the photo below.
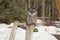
(42, 33)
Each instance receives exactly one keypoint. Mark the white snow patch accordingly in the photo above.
(21, 33)
(52, 29)
(40, 22)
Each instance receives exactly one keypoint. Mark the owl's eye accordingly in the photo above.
(32, 11)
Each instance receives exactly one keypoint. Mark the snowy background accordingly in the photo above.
(44, 33)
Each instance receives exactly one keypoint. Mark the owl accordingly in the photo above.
(31, 17)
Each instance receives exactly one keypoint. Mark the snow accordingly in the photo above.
(40, 22)
(52, 29)
(3, 26)
(42, 34)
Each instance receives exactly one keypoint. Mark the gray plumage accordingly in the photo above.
(32, 17)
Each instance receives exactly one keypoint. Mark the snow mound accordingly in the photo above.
(21, 34)
(40, 22)
(3, 26)
(52, 29)
(43, 34)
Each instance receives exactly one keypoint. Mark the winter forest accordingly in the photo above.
(16, 9)
(30, 19)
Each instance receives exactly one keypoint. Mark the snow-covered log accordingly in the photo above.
(40, 22)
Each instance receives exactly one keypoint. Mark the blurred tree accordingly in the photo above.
(11, 10)
(57, 2)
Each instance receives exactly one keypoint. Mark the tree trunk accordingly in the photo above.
(31, 19)
(13, 32)
(29, 32)
(57, 2)
(43, 9)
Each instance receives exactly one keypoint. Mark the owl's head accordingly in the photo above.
(32, 10)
